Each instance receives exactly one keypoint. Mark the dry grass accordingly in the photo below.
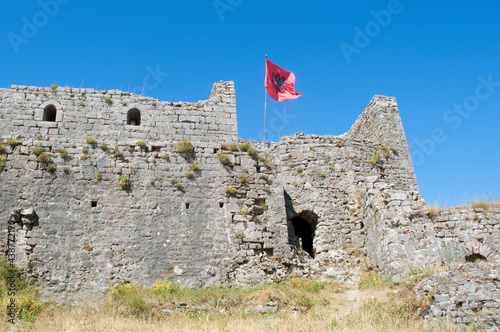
(433, 211)
(303, 305)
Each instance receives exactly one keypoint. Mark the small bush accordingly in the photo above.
(189, 175)
(124, 181)
(251, 151)
(44, 158)
(54, 87)
(244, 146)
(267, 189)
(50, 168)
(103, 146)
(63, 154)
(300, 169)
(322, 175)
(225, 147)
(164, 287)
(340, 143)
(38, 150)
(233, 147)
(173, 180)
(179, 186)
(165, 156)
(141, 144)
(2, 162)
(98, 176)
(195, 167)
(230, 191)
(66, 169)
(108, 100)
(90, 140)
(243, 179)
(118, 153)
(184, 146)
(224, 159)
(85, 150)
(131, 149)
(2, 149)
(13, 142)
(433, 211)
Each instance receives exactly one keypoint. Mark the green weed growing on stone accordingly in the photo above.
(124, 181)
(103, 146)
(230, 191)
(37, 150)
(108, 100)
(91, 141)
(224, 159)
(141, 144)
(185, 146)
(98, 176)
(165, 156)
(179, 186)
(13, 142)
(44, 158)
(195, 167)
(64, 154)
(189, 175)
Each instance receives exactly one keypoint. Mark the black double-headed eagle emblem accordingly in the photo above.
(279, 83)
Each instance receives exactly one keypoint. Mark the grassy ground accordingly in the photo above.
(375, 304)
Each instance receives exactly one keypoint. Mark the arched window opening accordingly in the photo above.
(49, 113)
(304, 227)
(474, 258)
(134, 117)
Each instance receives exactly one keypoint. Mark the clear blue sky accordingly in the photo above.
(433, 56)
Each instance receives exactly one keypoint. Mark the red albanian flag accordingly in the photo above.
(280, 84)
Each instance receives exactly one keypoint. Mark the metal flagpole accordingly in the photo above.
(265, 105)
(265, 109)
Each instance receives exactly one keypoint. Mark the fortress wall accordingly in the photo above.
(357, 190)
(399, 243)
(103, 116)
(334, 177)
(91, 234)
(380, 122)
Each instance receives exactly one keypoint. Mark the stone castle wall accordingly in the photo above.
(235, 222)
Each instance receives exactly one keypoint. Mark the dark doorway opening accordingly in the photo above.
(305, 232)
(134, 117)
(49, 113)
